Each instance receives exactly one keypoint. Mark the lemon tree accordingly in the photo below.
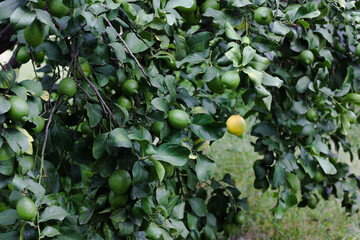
(108, 140)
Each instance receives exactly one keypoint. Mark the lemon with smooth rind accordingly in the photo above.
(230, 79)
(26, 209)
(22, 56)
(57, 8)
(119, 181)
(306, 57)
(19, 109)
(236, 125)
(67, 87)
(263, 15)
(34, 34)
(179, 119)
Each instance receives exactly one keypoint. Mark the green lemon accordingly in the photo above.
(306, 57)
(351, 98)
(85, 67)
(117, 201)
(263, 15)
(27, 164)
(130, 87)
(179, 119)
(67, 87)
(119, 181)
(229, 228)
(319, 177)
(240, 218)
(22, 56)
(230, 79)
(26, 209)
(125, 103)
(215, 85)
(34, 34)
(214, 4)
(191, 9)
(351, 116)
(19, 109)
(57, 8)
(268, 158)
(339, 47)
(5, 152)
(312, 115)
(312, 202)
(39, 56)
(40, 124)
(357, 50)
(156, 128)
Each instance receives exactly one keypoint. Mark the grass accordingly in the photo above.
(328, 221)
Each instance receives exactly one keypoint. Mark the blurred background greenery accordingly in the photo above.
(235, 155)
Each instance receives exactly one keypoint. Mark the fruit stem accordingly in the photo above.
(32, 62)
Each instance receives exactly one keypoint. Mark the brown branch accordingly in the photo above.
(45, 139)
(106, 109)
(5, 36)
(12, 64)
(128, 49)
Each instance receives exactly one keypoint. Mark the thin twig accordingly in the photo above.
(127, 48)
(32, 62)
(45, 139)
(106, 109)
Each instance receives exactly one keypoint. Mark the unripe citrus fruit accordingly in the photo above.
(119, 181)
(85, 67)
(130, 87)
(214, 4)
(263, 15)
(26, 209)
(312, 202)
(236, 125)
(67, 87)
(34, 34)
(39, 56)
(19, 109)
(351, 98)
(319, 177)
(215, 85)
(230, 79)
(229, 228)
(57, 8)
(306, 57)
(179, 119)
(156, 128)
(125, 102)
(22, 56)
(240, 218)
(312, 115)
(117, 201)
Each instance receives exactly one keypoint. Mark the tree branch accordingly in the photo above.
(128, 49)
(5, 36)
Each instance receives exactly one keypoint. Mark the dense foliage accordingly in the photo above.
(107, 142)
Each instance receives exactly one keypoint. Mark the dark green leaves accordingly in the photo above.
(204, 168)
(21, 18)
(173, 154)
(198, 206)
(206, 128)
(53, 213)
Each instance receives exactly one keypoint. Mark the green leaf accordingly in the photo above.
(198, 206)
(161, 104)
(174, 3)
(172, 153)
(53, 51)
(34, 87)
(53, 213)
(302, 84)
(21, 18)
(85, 216)
(204, 167)
(95, 114)
(119, 51)
(234, 54)
(326, 165)
(264, 129)
(255, 76)
(206, 128)
(44, 17)
(49, 232)
(4, 105)
(153, 231)
(139, 173)
(135, 44)
(8, 217)
(200, 42)
(17, 141)
(230, 32)
(248, 55)
(99, 145)
(7, 7)
(279, 28)
(271, 81)
(308, 10)
(119, 215)
(118, 138)
(279, 209)
(293, 181)
(160, 170)
(178, 211)
(279, 176)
